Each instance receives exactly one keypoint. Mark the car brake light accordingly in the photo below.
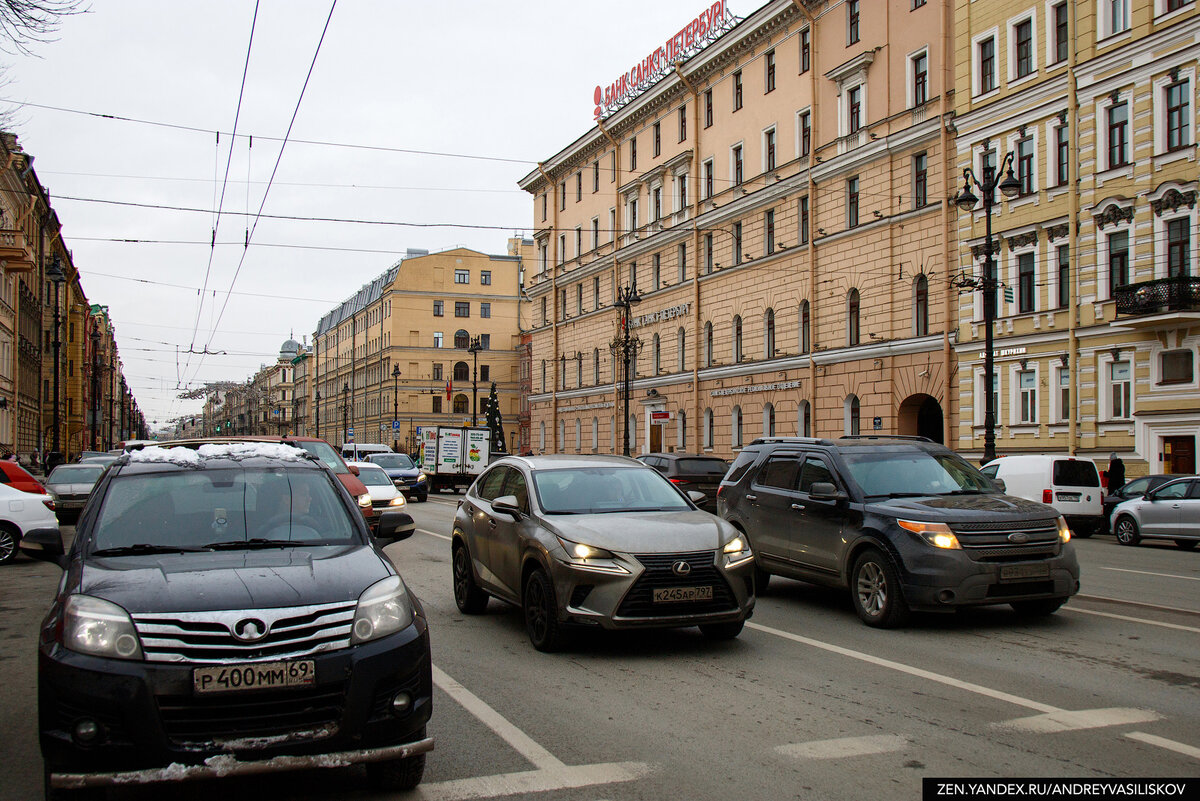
(1047, 496)
(49, 504)
(679, 481)
(719, 490)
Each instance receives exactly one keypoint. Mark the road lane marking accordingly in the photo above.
(1148, 573)
(978, 689)
(532, 781)
(1081, 719)
(1163, 742)
(1141, 604)
(432, 533)
(1176, 626)
(845, 747)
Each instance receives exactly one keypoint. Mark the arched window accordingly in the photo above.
(461, 404)
(709, 428)
(769, 334)
(633, 433)
(462, 339)
(921, 306)
(804, 420)
(656, 355)
(851, 414)
(596, 366)
(681, 349)
(578, 434)
(681, 423)
(768, 421)
(543, 375)
(805, 328)
(542, 436)
(561, 445)
(578, 368)
(462, 371)
(708, 344)
(852, 310)
(737, 338)
(612, 433)
(595, 433)
(736, 427)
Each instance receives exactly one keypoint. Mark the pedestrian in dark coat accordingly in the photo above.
(1116, 473)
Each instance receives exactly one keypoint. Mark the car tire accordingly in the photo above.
(1186, 545)
(10, 539)
(1083, 533)
(471, 600)
(875, 590)
(1126, 530)
(722, 631)
(422, 498)
(1038, 608)
(398, 774)
(541, 613)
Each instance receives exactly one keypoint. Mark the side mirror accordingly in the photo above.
(1000, 485)
(824, 491)
(697, 497)
(353, 469)
(45, 545)
(393, 527)
(508, 505)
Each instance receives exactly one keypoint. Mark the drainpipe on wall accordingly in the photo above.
(1073, 240)
(949, 160)
(552, 266)
(694, 180)
(812, 220)
(616, 267)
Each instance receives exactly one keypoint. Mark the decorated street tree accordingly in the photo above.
(495, 422)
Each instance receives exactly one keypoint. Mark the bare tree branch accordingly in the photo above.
(24, 23)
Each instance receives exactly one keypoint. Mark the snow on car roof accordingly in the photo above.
(192, 457)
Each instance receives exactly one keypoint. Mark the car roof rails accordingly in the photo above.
(912, 437)
(798, 440)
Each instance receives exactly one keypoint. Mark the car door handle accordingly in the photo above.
(798, 506)
(491, 522)
(752, 497)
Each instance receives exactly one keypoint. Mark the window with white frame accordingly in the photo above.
(681, 350)
(1114, 17)
(1023, 49)
(681, 262)
(851, 412)
(918, 78)
(1062, 397)
(1058, 34)
(735, 423)
(1024, 154)
(803, 133)
(681, 191)
(656, 203)
(709, 428)
(595, 232)
(562, 248)
(768, 420)
(1118, 261)
(1026, 282)
(854, 108)
(983, 71)
(981, 397)
(656, 354)
(1027, 390)
(737, 167)
(769, 149)
(1116, 134)
(1174, 119)
(612, 225)
(655, 272)
(1120, 390)
(1062, 154)
(709, 179)
(804, 419)
(1178, 237)
(1177, 366)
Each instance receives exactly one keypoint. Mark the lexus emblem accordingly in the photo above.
(681, 568)
(250, 629)
(1018, 537)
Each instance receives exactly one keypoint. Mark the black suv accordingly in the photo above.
(902, 522)
(224, 610)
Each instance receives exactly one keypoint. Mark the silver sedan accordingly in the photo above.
(1170, 511)
(597, 541)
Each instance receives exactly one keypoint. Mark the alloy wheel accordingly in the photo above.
(536, 613)
(8, 545)
(872, 589)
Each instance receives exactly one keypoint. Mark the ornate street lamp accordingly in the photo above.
(966, 201)
(474, 349)
(56, 276)
(626, 346)
(95, 404)
(395, 403)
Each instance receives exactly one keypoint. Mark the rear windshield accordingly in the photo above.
(1075, 473)
(703, 467)
(396, 461)
(373, 476)
(75, 474)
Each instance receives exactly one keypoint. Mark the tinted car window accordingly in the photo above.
(913, 472)
(396, 461)
(325, 452)
(515, 485)
(1195, 493)
(1075, 473)
(75, 474)
(740, 465)
(780, 472)
(703, 467)
(991, 470)
(1177, 490)
(815, 470)
(490, 484)
(596, 490)
(374, 477)
(1134, 488)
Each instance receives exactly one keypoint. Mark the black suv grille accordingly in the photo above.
(1007, 541)
(639, 601)
(246, 715)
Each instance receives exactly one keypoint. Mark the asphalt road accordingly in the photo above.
(807, 703)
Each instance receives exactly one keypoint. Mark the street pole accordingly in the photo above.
(95, 337)
(318, 414)
(56, 276)
(627, 298)
(345, 412)
(395, 403)
(476, 346)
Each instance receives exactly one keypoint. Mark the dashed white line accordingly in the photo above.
(845, 747)
(1176, 626)
(1163, 742)
(1148, 573)
(433, 534)
(1082, 719)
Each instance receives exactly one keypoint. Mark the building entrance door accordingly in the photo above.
(655, 438)
(1179, 454)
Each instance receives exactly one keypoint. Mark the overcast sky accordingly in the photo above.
(510, 81)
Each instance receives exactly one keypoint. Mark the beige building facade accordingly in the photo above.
(779, 200)
(1098, 323)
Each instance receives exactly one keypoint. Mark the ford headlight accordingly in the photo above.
(364, 500)
(384, 608)
(101, 628)
(1064, 531)
(421, 477)
(737, 551)
(938, 535)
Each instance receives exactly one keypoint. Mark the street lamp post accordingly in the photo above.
(395, 403)
(56, 276)
(95, 337)
(476, 346)
(626, 346)
(345, 412)
(317, 415)
(966, 201)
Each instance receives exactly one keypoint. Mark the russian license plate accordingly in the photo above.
(1024, 571)
(1069, 497)
(259, 676)
(676, 594)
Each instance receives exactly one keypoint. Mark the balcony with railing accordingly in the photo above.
(15, 256)
(1163, 302)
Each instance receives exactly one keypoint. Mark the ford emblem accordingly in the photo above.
(1018, 538)
(681, 568)
(250, 629)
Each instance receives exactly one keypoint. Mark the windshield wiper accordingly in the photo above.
(963, 492)
(144, 548)
(901, 495)
(253, 543)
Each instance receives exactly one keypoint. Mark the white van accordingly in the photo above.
(1070, 484)
(355, 452)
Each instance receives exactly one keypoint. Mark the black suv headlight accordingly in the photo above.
(101, 628)
(938, 535)
(384, 608)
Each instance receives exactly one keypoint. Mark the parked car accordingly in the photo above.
(691, 471)
(902, 523)
(1071, 484)
(70, 486)
(1170, 511)
(601, 541)
(1135, 489)
(20, 514)
(224, 610)
(99, 458)
(84, 455)
(358, 452)
(19, 478)
(406, 475)
(383, 492)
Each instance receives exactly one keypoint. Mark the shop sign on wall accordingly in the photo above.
(778, 385)
(659, 316)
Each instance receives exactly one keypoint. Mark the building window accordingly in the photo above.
(462, 371)
(656, 355)
(681, 182)
(708, 109)
(656, 273)
(1064, 276)
(1178, 247)
(737, 90)
(437, 404)
(462, 276)
(920, 166)
(1062, 154)
(804, 419)
(769, 334)
(485, 277)
(768, 428)
(1061, 42)
(805, 51)
(460, 404)
(437, 372)
(737, 338)
(1175, 367)
(852, 202)
(708, 253)
(484, 372)
(921, 306)
(462, 309)
(855, 107)
(578, 186)
(437, 339)
(708, 344)
(805, 133)
(1023, 38)
(681, 257)
(852, 314)
(852, 22)
(987, 65)
(803, 220)
(562, 196)
(1118, 261)
(1027, 386)
(1118, 135)
(852, 423)
(709, 428)
(438, 308)
(1115, 17)
(805, 327)
(596, 292)
(1120, 379)
(682, 122)
(920, 79)
(737, 165)
(545, 315)
(1177, 115)
(1026, 285)
(737, 243)
(595, 176)
(769, 61)
(736, 427)
(1025, 164)
(769, 149)
(1064, 394)
(656, 203)
(632, 153)
(595, 365)
(543, 207)
(708, 179)
(485, 310)
(462, 339)
(681, 349)
(769, 225)
(657, 139)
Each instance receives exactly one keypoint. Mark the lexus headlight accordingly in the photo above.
(737, 550)
(397, 501)
(589, 557)
(421, 477)
(98, 627)
(938, 535)
(1064, 531)
(384, 608)
(364, 500)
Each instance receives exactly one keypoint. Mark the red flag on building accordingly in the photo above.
(447, 390)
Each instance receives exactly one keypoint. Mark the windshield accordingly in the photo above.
(225, 507)
(595, 490)
(77, 474)
(373, 476)
(325, 452)
(703, 467)
(913, 472)
(1075, 473)
(396, 461)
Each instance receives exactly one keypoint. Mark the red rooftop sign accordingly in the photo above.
(695, 36)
